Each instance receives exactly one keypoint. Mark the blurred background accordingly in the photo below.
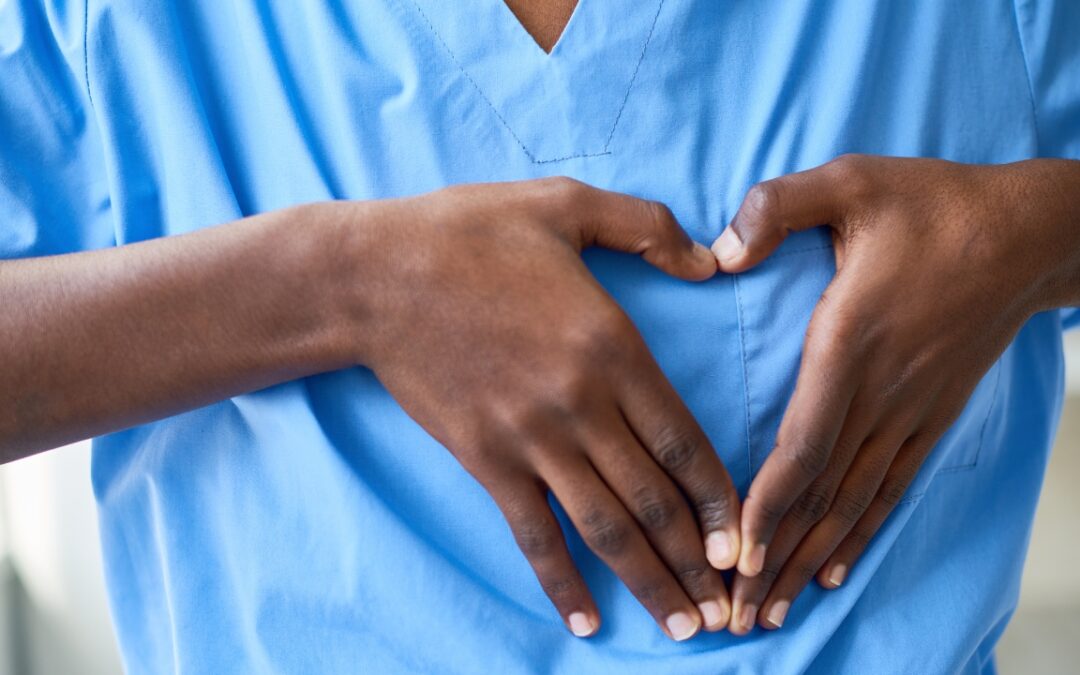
(54, 619)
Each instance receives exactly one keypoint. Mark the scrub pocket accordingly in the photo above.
(775, 301)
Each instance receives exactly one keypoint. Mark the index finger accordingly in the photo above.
(808, 433)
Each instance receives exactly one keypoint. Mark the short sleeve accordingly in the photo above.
(1050, 35)
(54, 195)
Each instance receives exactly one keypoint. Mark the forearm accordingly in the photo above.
(99, 341)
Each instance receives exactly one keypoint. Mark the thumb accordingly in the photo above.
(624, 223)
(774, 209)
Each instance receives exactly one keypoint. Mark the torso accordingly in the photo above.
(313, 526)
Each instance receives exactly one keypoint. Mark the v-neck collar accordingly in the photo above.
(557, 106)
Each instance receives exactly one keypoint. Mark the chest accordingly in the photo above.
(215, 110)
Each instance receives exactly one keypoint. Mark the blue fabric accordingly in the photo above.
(312, 526)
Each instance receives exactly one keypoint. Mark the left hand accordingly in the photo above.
(938, 266)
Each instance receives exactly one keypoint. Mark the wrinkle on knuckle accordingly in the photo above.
(648, 592)
(770, 509)
(606, 535)
(655, 511)
(768, 574)
(810, 455)
(675, 449)
(561, 588)
(662, 218)
(892, 492)
(713, 510)
(694, 578)
(811, 507)
(859, 538)
(536, 538)
(849, 506)
(803, 571)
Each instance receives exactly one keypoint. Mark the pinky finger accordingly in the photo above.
(540, 538)
(908, 461)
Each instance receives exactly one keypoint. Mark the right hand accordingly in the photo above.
(488, 329)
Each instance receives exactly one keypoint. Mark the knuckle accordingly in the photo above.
(768, 574)
(763, 199)
(852, 172)
(561, 588)
(537, 539)
(648, 592)
(811, 507)
(675, 449)
(655, 511)
(604, 337)
(663, 220)
(803, 571)
(849, 506)
(570, 394)
(811, 456)
(859, 539)
(892, 492)
(562, 189)
(837, 332)
(714, 510)
(770, 509)
(606, 535)
(694, 578)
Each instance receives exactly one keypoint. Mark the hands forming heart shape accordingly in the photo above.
(938, 266)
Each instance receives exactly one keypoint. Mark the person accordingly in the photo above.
(315, 276)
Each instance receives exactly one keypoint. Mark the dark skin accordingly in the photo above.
(532, 392)
(544, 20)
(875, 393)
(421, 290)
(939, 265)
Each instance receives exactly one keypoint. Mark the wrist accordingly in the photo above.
(317, 248)
(354, 255)
(1045, 219)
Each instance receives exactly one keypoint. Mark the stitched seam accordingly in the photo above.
(502, 120)
(464, 72)
(1027, 72)
(743, 356)
(982, 440)
(633, 78)
(745, 374)
(989, 414)
(86, 50)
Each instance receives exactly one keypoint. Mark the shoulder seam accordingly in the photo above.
(1027, 71)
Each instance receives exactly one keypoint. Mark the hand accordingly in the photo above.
(493, 335)
(938, 266)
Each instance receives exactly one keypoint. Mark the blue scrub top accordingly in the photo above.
(312, 527)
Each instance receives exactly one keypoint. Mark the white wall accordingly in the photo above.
(53, 537)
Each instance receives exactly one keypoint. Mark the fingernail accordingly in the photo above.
(747, 615)
(755, 560)
(728, 246)
(681, 626)
(836, 576)
(719, 550)
(581, 625)
(712, 614)
(778, 613)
